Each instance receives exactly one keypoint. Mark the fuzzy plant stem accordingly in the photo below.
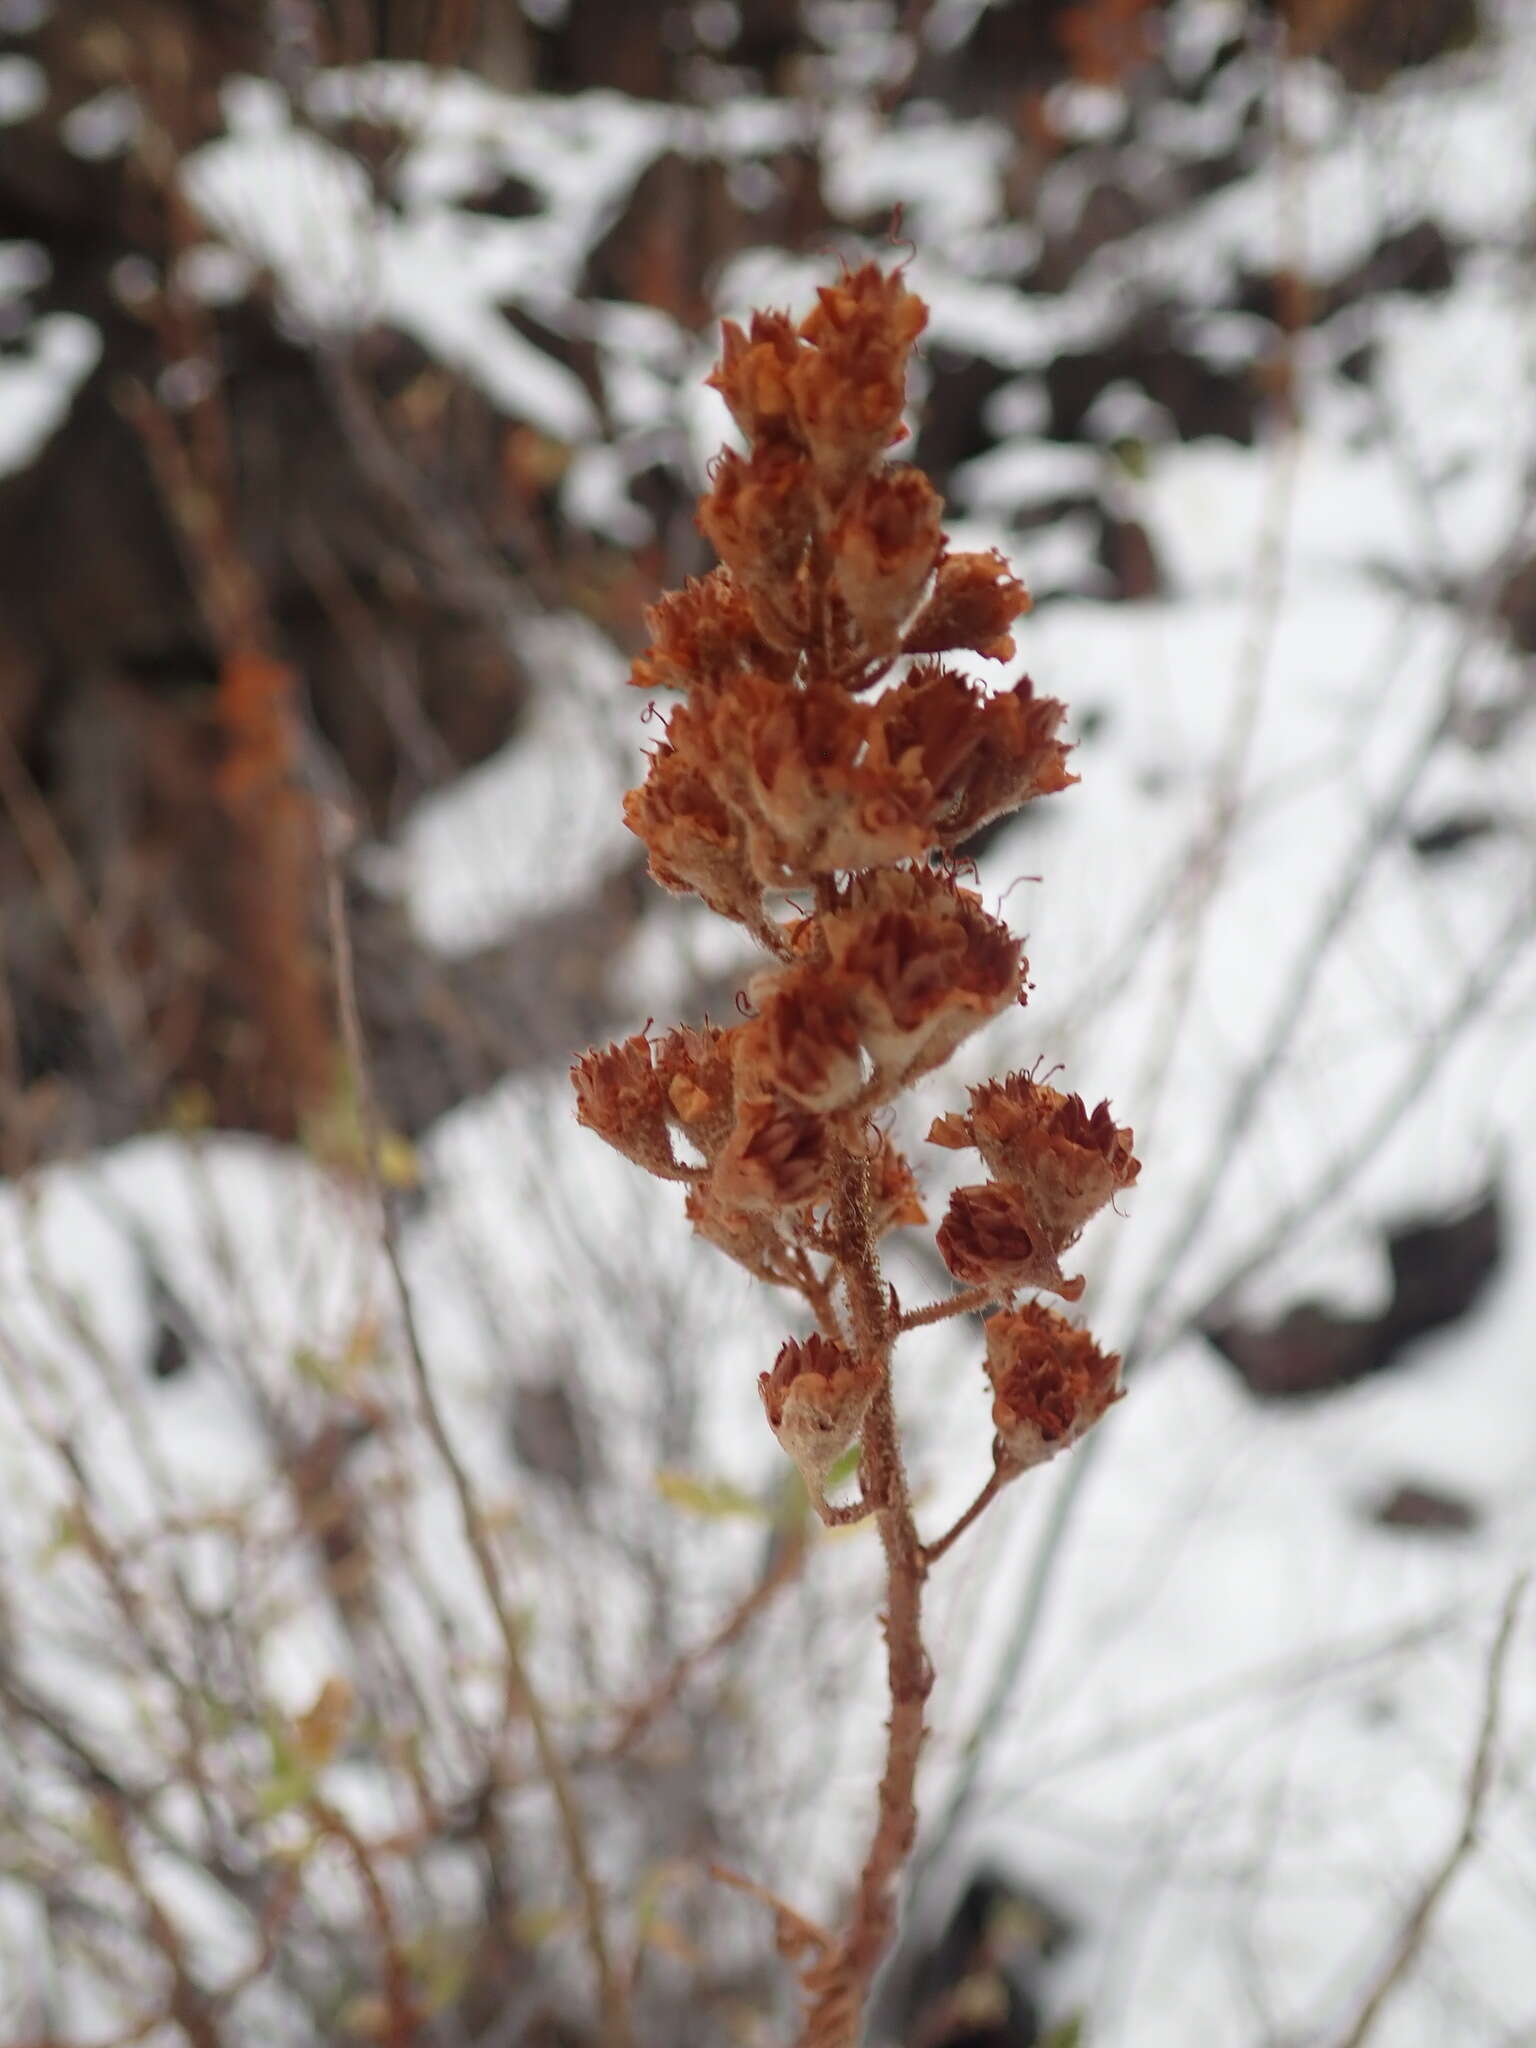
(840, 1985)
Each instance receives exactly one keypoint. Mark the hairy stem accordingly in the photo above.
(969, 1302)
(839, 1984)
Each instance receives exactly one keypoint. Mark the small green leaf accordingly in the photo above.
(844, 1468)
(291, 1781)
(1067, 2033)
(716, 1498)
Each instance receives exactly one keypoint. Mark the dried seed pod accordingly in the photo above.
(619, 1095)
(695, 1069)
(928, 966)
(1019, 758)
(975, 600)
(777, 1157)
(703, 637)
(753, 376)
(1050, 1382)
(990, 1237)
(696, 843)
(850, 386)
(804, 1042)
(884, 548)
(1068, 1162)
(815, 1399)
(758, 518)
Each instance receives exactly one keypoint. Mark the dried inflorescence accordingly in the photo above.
(1050, 1382)
(822, 764)
(1055, 1165)
(816, 1398)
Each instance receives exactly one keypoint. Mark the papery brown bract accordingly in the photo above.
(850, 387)
(778, 1156)
(1065, 1161)
(884, 548)
(696, 1070)
(1050, 1382)
(753, 376)
(804, 1042)
(990, 1237)
(695, 842)
(816, 1398)
(619, 1095)
(976, 599)
(702, 637)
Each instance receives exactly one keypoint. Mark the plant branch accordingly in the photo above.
(786, 1567)
(839, 1983)
(1003, 1469)
(611, 1998)
(1411, 1935)
(968, 1302)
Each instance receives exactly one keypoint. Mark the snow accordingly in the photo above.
(38, 385)
(102, 127)
(44, 367)
(23, 89)
(1239, 1744)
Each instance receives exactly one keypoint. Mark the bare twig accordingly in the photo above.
(610, 1991)
(786, 1567)
(1003, 1469)
(1411, 1935)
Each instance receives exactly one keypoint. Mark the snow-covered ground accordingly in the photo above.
(1224, 1717)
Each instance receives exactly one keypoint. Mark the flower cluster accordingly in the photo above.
(1055, 1165)
(787, 766)
(822, 761)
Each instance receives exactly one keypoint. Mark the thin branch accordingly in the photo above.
(1015, 1652)
(616, 2020)
(969, 1301)
(1003, 1470)
(400, 2004)
(796, 1934)
(1412, 1933)
(786, 1567)
(844, 1515)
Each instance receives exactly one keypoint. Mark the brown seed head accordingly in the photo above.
(990, 1237)
(1050, 1382)
(815, 1399)
(777, 1157)
(1068, 1161)
(975, 600)
(619, 1096)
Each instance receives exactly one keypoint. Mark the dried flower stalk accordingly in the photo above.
(823, 745)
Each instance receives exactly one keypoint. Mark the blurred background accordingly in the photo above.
(351, 414)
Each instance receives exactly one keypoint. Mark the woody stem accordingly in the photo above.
(841, 1983)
